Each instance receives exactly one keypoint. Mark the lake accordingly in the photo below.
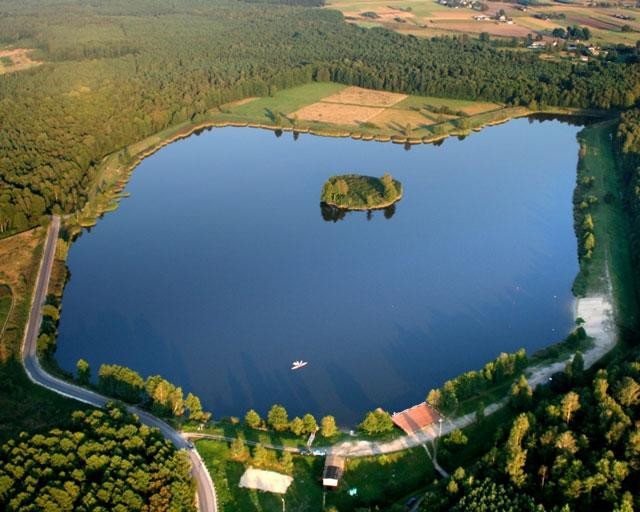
(221, 268)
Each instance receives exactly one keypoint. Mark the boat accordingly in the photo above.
(296, 365)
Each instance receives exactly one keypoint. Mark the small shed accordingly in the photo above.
(333, 470)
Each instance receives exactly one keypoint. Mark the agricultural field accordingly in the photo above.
(330, 106)
(608, 25)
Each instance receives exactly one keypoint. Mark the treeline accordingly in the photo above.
(159, 395)
(575, 447)
(123, 70)
(278, 420)
(374, 422)
(106, 461)
(470, 384)
(628, 146)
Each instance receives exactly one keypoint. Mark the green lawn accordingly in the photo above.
(286, 101)
(381, 480)
(305, 492)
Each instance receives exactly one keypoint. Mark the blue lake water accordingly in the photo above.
(220, 269)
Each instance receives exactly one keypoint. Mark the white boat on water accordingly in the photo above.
(296, 365)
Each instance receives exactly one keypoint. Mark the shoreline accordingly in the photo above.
(151, 146)
(93, 209)
(364, 208)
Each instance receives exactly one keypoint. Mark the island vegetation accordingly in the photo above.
(357, 192)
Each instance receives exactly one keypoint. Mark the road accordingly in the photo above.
(206, 494)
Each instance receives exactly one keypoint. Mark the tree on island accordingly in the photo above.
(390, 191)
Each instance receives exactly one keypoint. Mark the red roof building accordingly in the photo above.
(416, 418)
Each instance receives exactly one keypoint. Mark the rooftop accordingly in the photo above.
(415, 418)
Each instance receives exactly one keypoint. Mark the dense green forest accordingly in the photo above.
(115, 72)
(573, 446)
(106, 461)
(628, 142)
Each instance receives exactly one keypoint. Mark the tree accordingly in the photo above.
(516, 456)
(569, 404)
(252, 419)
(376, 422)
(278, 418)
(448, 397)
(83, 372)
(193, 405)
(577, 365)
(238, 450)
(628, 392)
(521, 393)
(328, 427)
(433, 398)
(296, 426)
(370, 423)
(286, 461)
(310, 424)
(390, 192)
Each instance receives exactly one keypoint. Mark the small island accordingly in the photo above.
(356, 192)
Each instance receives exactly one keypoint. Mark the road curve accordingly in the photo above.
(206, 493)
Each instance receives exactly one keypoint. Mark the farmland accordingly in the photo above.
(427, 18)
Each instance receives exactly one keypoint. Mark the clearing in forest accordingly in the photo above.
(350, 106)
(16, 60)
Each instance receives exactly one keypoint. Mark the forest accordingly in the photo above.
(114, 73)
(572, 446)
(105, 461)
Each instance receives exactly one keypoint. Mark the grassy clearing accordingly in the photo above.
(305, 493)
(379, 480)
(286, 101)
(23, 405)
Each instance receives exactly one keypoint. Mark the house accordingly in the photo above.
(333, 470)
(537, 45)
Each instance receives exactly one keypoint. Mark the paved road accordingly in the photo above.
(206, 493)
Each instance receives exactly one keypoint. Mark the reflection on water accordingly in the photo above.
(218, 272)
(332, 213)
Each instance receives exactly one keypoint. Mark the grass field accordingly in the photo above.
(381, 480)
(428, 18)
(327, 106)
(23, 405)
(611, 227)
